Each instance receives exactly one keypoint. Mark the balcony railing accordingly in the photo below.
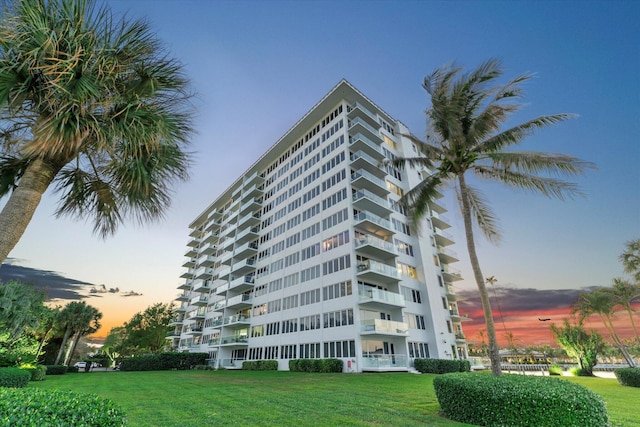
(378, 267)
(367, 216)
(382, 361)
(367, 293)
(384, 326)
(235, 339)
(363, 240)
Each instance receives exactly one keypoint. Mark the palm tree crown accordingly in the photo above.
(464, 137)
(92, 105)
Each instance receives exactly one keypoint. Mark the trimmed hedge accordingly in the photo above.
(56, 369)
(518, 400)
(37, 372)
(163, 362)
(628, 376)
(441, 366)
(36, 407)
(316, 365)
(72, 370)
(14, 377)
(555, 369)
(260, 365)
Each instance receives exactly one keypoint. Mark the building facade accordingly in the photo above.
(309, 255)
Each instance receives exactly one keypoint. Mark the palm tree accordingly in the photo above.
(87, 323)
(630, 259)
(90, 105)
(76, 319)
(625, 293)
(463, 137)
(601, 302)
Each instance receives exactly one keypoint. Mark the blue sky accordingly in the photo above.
(258, 66)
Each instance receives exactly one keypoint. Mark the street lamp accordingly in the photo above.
(546, 319)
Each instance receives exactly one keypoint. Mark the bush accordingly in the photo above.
(577, 372)
(72, 370)
(316, 365)
(56, 369)
(260, 365)
(14, 377)
(441, 366)
(628, 376)
(36, 407)
(163, 361)
(37, 371)
(555, 369)
(518, 400)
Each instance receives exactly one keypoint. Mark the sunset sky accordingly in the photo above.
(258, 66)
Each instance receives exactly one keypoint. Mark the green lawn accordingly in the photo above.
(196, 398)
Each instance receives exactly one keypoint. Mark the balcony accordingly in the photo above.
(254, 190)
(210, 236)
(383, 327)
(377, 272)
(225, 258)
(447, 256)
(207, 261)
(364, 200)
(239, 302)
(246, 250)
(250, 205)
(219, 305)
(186, 284)
(191, 253)
(460, 338)
(243, 283)
(209, 249)
(440, 221)
(450, 274)
(457, 317)
(361, 160)
(189, 263)
(241, 340)
(212, 224)
(377, 299)
(202, 300)
(193, 330)
(443, 238)
(451, 293)
(367, 181)
(374, 247)
(188, 274)
(238, 320)
(178, 320)
(202, 286)
(173, 334)
(227, 231)
(436, 206)
(357, 110)
(243, 267)
(359, 142)
(254, 178)
(373, 224)
(224, 273)
(247, 235)
(203, 273)
(384, 362)
(183, 307)
(194, 243)
(358, 125)
(184, 296)
(249, 220)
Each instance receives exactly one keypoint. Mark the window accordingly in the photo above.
(310, 251)
(336, 264)
(289, 326)
(335, 241)
(311, 231)
(310, 297)
(334, 198)
(338, 318)
(259, 310)
(335, 219)
(275, 285)
(292, 259)
(274, 306)
(312, 211)
(310, 273)
(337, 290)
(407, 270)
(288, 351)
(273, 328)
(403, 248)
(291, 280)
(340, 349)
(308, 323)
(290, 302)
(310, 351)
(418, 350)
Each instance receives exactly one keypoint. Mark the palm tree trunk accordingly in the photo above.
(41, 343)
(22, 203)
(616, 340)
(72, 347)
(633, 324)
(67, 332)
(494, 354)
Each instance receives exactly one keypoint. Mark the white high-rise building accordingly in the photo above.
(309, 255)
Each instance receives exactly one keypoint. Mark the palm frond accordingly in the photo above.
(11, 170)
(416, 201)
(482, 213)
(536, 162)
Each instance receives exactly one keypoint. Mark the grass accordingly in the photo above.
(190, 398)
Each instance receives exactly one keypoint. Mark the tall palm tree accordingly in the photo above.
(601, 302)
(76, 319)
(87, 323)
(625, 294)
(630, 259)
(464, 138)
(91, 105)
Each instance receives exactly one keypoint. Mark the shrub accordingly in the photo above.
(14, 377)
(56, 369)
(72, 370)
(518, 400)
(577, 372)
(628, 376)
(555, 369)
(163, 361)
(37, 371)
(260, 365)
(441, 366)
(316, 365)
(36, 407)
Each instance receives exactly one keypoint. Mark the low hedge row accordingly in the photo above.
(441, 366)
(163, 362)
(36, 407)
(56, 369)
(37, 372)
(628, 376)
(260, 365)
(518, 400)
(315, 365)
(14, 377)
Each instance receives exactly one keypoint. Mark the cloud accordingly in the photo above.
(53, 283)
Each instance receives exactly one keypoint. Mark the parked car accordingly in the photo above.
(80, 365)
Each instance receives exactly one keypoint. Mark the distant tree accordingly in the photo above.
(625, 294)
(147, 331)
(578, 343)
(113, 346)
(91, 105)
(600, 302)
(87, 323)
(464, 138)
(75, 319)
(630, 259)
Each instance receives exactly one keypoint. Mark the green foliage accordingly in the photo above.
(34, 407)
(56, 369)
(163, 361)
(14, 377)
(260, 365)
(441, 366)
(578, 343)
(37, 371)
(628, 376)
(555, 369)
(316, 365)
(146, 331)
(518, 400)
(576, 371)
(72, 370)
